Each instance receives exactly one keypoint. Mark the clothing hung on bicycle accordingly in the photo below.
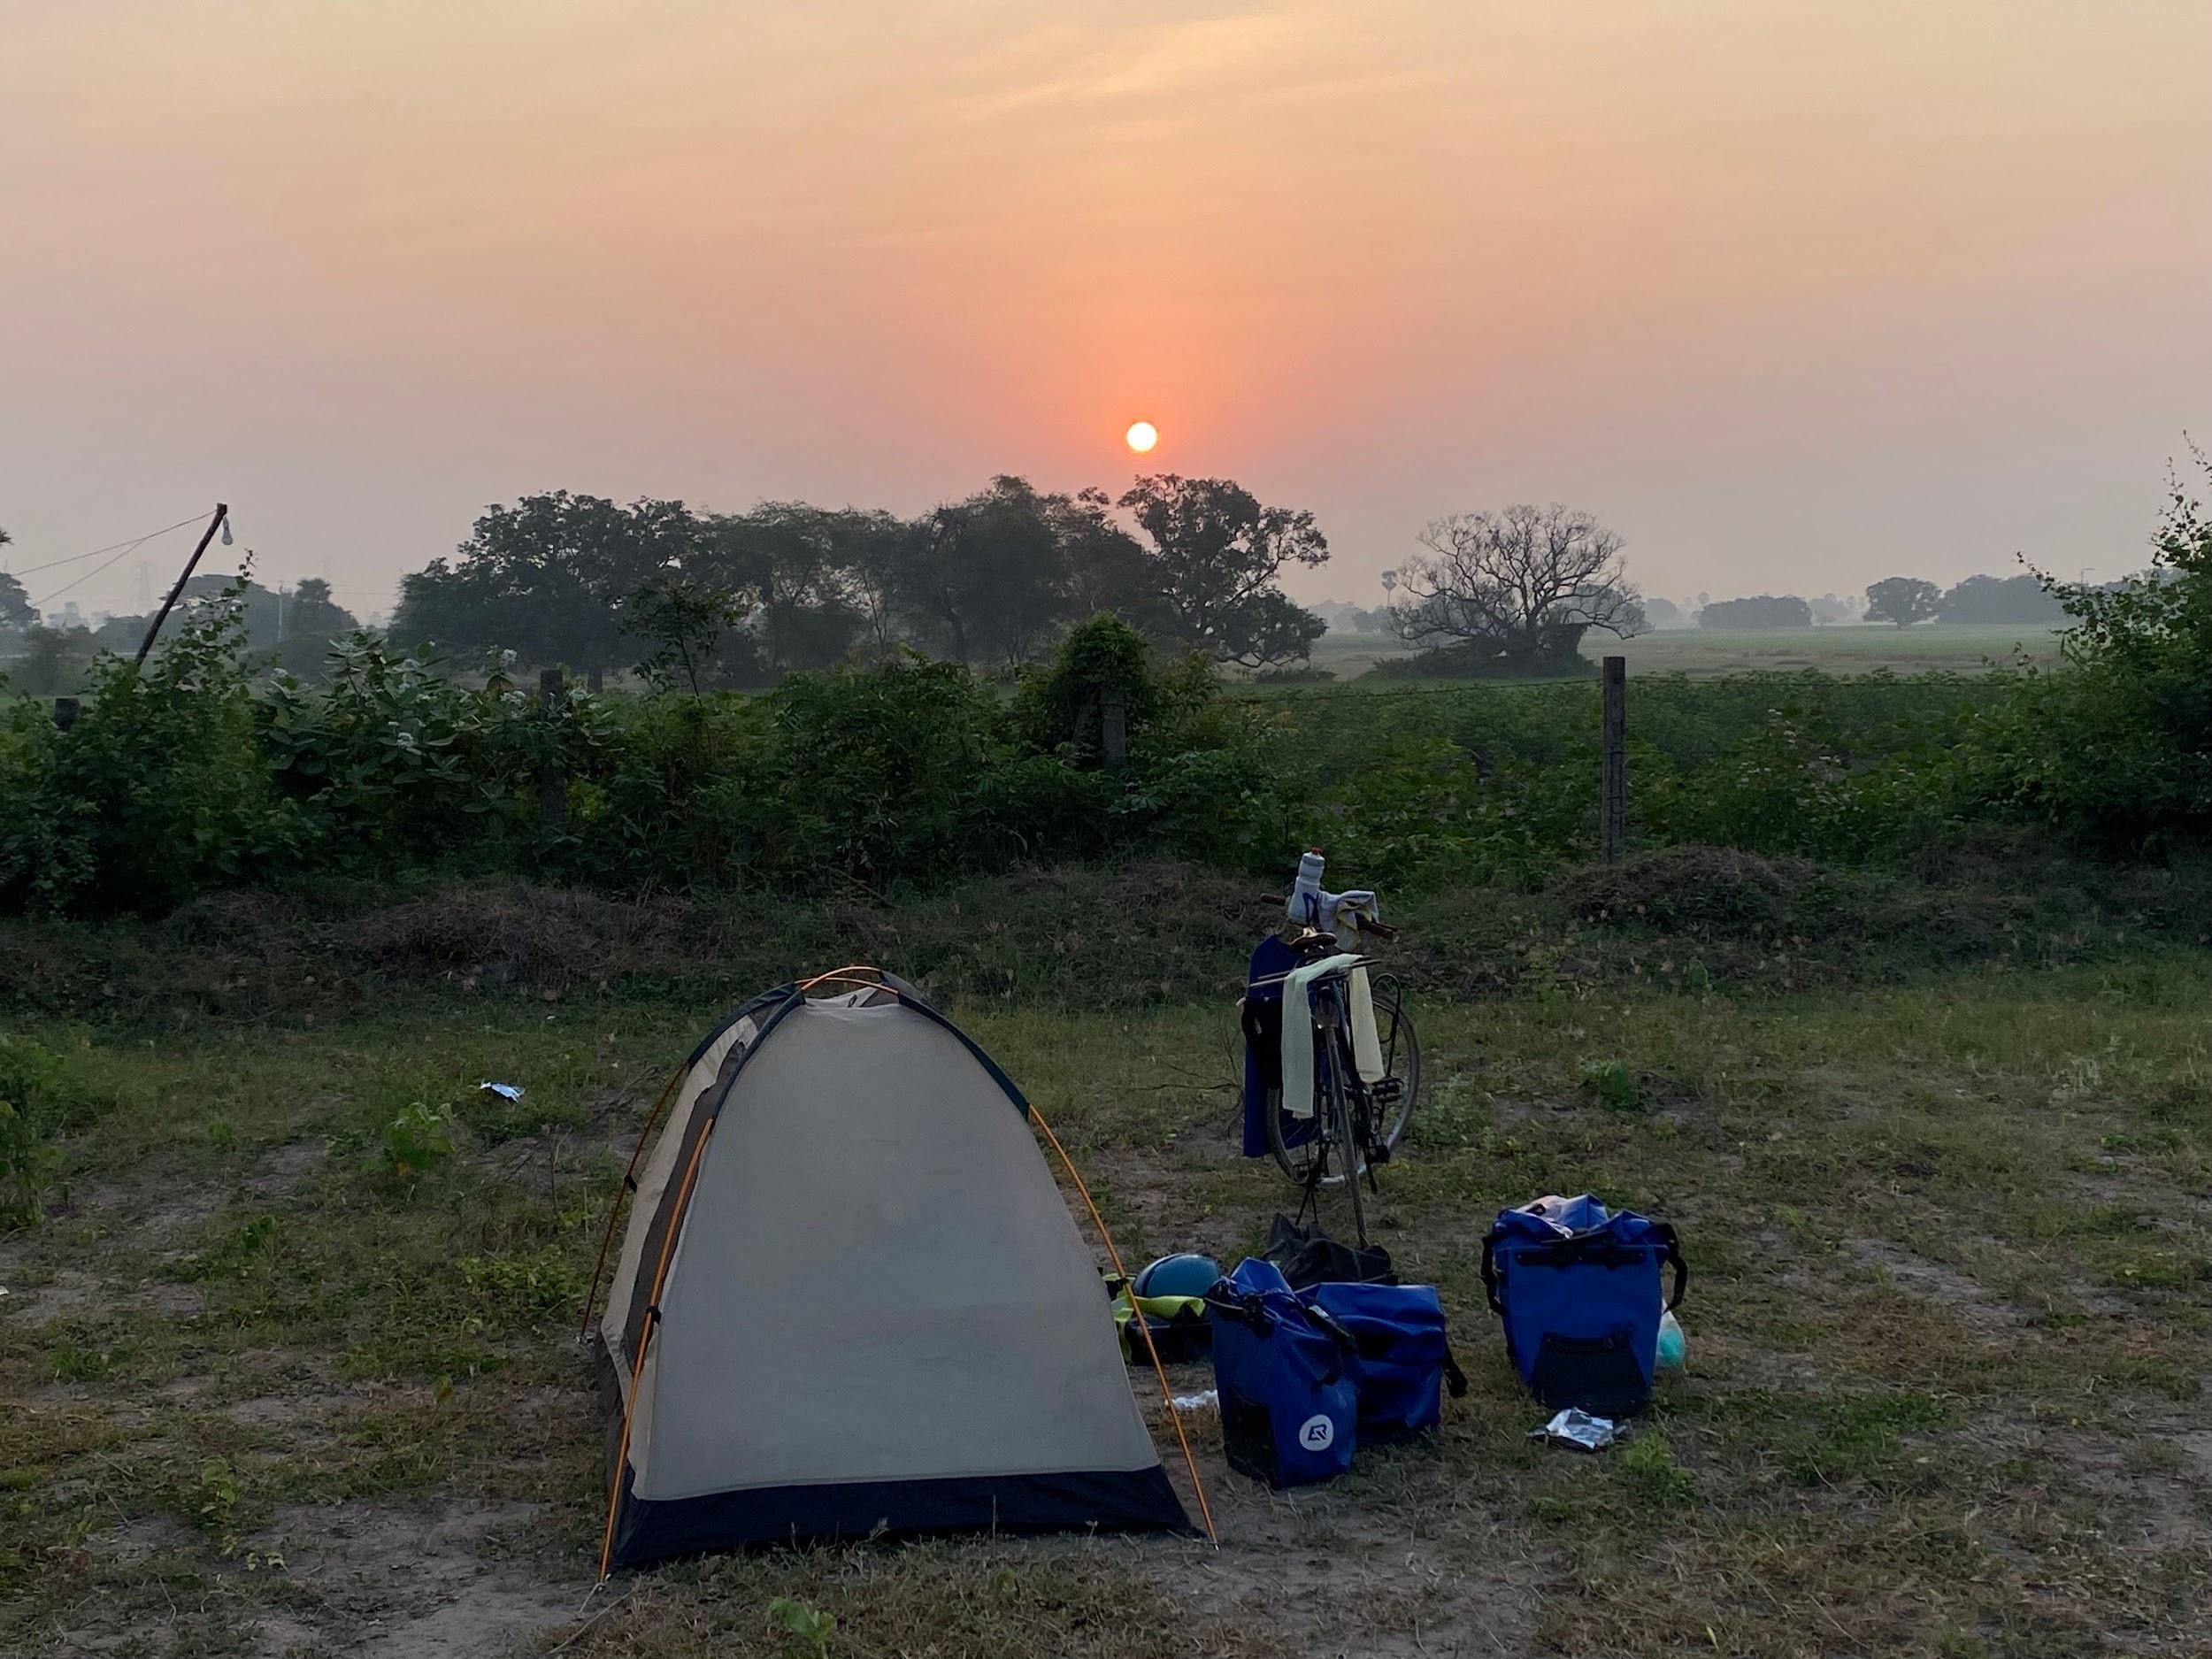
(1297, 1046)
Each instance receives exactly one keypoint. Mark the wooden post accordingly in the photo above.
(1613, 785)
(1113, 728)
(552, 784)
(594, 678)
(207, 535)
(64, 713)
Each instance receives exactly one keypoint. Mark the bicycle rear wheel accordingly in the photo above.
(1401, 1054)
(1347, 1133)
(1299, 1144)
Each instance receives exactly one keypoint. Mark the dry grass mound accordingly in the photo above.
(509, 934)
(1714, 891)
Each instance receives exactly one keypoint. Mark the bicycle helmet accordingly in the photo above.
(1184, 1275)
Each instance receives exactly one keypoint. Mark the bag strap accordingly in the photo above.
(1245, 1307)
(1490, 1273)
(1663, 1231)
(1455, 1378)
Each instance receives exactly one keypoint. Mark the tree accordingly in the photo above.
(1214, 562)
(1105, 568)
(2020, 599)
(16, 609)
(1833, 608)
(1521, 587)
(1903, 600)
(986, 576)
(1662, 613)
(797, 562)
(310, 622)
(53, 660)
(683, 618)
(547, 577)
(1762, 611)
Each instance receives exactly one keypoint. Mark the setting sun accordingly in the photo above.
(1142, 436)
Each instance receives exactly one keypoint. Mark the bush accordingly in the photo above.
(2113, 748)
(159, 789)
(418, 1140)
(36, 1102)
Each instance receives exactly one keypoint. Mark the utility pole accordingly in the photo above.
(1613, 785)
(222, 512)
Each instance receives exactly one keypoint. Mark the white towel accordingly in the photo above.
(1298, 1029)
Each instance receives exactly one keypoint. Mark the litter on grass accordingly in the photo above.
(509, 1092)
(1578, 1429)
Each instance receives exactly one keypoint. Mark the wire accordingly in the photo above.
(110, 548)
(129, 547)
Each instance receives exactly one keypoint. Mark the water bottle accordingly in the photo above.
(1673, 1346)
(1305, 897)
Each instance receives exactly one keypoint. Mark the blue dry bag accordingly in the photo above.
(1284, 1374)
(1404, 1358)
(1579, 1288)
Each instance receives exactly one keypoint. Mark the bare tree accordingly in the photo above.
(1522, 586)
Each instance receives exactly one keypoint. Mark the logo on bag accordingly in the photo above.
(1316, 1433)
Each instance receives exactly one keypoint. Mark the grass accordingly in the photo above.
(1950, 1310)
(1849, 649)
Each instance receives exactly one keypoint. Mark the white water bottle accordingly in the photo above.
(1305, 897)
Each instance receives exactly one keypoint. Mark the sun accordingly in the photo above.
(1142, 435)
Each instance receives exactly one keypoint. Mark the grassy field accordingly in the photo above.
(1858, 648)
(1950, 1313)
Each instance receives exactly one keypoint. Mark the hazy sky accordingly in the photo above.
(1793, 295)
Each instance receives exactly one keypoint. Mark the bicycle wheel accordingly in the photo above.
(1401, 1054)
(1345, 1133)
(1301, 1145)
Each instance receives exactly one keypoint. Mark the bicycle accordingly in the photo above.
(1356, 1124)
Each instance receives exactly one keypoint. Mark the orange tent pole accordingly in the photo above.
(1137, 1318)
(644, 1342)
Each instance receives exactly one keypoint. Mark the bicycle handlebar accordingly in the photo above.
(1277, 900)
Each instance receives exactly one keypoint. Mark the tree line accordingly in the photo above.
(2025, 600)
(702, 599)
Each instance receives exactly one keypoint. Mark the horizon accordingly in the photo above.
(1792, 300)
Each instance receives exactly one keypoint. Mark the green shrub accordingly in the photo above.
(159, 789)
(418, 1140)
(1615, 1084)
(37, 1102)
(2113, 748)
(28, 1168)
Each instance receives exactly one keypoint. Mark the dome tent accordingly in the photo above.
(851, 1301)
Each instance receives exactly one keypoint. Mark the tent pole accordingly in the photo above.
(629, 1183)
(644, 1342)
(1137, 1318)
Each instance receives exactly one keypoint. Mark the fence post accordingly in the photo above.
(1613, 784)
(595, 679)
(1113, 728)
(64, 713)
(552, 784)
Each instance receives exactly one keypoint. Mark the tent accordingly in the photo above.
(851, 1301)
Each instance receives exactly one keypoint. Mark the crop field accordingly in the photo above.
(269, 1393)
(1853, 649)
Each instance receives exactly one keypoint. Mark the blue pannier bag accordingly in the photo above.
(1579, 1289)
(1283, 1373)
(1403, 1357)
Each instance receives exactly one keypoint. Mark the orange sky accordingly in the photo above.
(1793, 295)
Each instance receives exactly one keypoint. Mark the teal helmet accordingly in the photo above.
(1185, 1275)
